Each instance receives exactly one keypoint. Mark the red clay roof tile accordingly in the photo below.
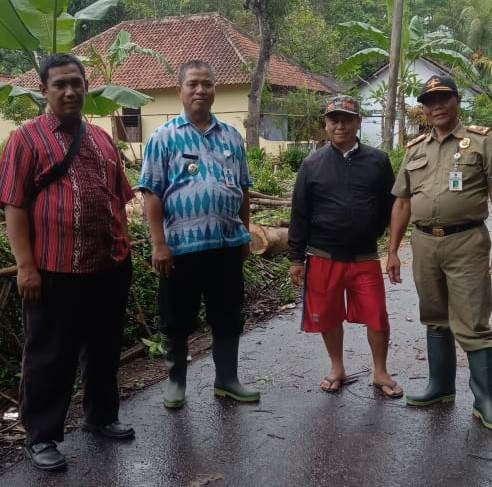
(210, 37)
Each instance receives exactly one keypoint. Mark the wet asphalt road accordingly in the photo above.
(297, 435)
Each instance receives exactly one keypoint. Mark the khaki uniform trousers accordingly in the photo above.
(453, 283)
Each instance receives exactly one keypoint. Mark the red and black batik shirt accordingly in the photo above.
(76, 221)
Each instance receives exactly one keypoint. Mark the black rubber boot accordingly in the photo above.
(481, 384)
(441, 353)
(175, 387)
(225, 354)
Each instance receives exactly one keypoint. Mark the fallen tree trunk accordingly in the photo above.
(265, 202)
(268, 241)
(257, 194)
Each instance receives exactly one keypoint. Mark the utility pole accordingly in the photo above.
(394, 64)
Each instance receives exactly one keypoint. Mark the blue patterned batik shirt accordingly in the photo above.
(199, 177)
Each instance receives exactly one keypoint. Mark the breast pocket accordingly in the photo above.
(418, 172)
(469, 164)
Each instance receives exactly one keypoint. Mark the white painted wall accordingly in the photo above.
(371, 126)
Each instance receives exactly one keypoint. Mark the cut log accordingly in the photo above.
(273, 203)
(257, 194)
(268, 241)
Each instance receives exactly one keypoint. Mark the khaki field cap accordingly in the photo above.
(437, 84)
(342, 104)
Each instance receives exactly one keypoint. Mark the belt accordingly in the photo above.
(448, 229)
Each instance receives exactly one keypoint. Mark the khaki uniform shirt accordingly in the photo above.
(424, 177)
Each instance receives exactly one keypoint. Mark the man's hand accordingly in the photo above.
(296, 272)
(162, 259)
(29, 283)
(393, 268)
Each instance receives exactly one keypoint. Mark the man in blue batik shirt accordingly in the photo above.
(195, 182)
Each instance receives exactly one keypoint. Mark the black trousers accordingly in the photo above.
(217, 275)
(76, 313)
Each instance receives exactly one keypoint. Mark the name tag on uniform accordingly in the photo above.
(229, 177)
(455, 181)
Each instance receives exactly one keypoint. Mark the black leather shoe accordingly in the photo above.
(115, 431)
(46, 456)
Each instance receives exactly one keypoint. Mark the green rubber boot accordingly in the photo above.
(441, 353)
(175, 387)
(481, 384)
(225, 355)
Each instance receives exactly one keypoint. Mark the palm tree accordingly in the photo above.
(416, 44)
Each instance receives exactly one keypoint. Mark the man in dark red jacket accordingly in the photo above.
(341, 206)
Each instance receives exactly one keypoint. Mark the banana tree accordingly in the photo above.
(107, 99)
(416, 44)
(35, 26)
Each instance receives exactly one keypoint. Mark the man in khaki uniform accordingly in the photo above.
(444, 185)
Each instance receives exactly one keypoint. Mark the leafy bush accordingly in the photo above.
(293, 157)
(481, 111)
(269, 176)
(396, 157)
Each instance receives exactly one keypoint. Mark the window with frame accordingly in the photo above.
(130, 125)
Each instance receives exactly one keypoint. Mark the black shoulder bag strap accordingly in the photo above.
(59, 170)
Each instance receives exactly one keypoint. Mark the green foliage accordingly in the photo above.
(262, 274)
(305, 37)
(293, 157)
(272, 216)
(396, 156)
(481, 111)
(302, 108)
(155, 345)
(18, 109)
(13, 62)
(268, 176)
(133, 175)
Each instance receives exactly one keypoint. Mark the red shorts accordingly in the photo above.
(328, 281)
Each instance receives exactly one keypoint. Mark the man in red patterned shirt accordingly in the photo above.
(71, 245)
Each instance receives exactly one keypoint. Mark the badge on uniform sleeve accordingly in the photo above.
(455, 181)
(193, 168)
(229, 177)
(465, 143)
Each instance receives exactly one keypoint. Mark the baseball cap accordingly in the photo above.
(344, 104)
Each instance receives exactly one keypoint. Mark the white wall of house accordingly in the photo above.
(371, 126)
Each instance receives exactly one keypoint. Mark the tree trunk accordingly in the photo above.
(252, 124)
(402, 125)
(389, 124)
(268, 241)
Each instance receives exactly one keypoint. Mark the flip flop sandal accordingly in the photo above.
(342, 382)
(331, 382)
(392, 385)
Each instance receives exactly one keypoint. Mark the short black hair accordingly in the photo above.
(193, 64)
(55, 60)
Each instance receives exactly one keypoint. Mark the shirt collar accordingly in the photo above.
(458, 133)
(183, 120)
(353, 149)
(53, 121)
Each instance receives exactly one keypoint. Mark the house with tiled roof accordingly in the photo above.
(372, 123)
(212, 38)
(5, 78)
